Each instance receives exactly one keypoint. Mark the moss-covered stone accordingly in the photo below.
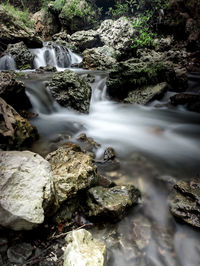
(70, 90)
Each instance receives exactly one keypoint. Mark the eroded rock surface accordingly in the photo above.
(26, 190)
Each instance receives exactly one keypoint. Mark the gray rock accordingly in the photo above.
(22, 56)
(82, 249)
(73, 171)
(101, 58)
(26, 189)
(19, 253)
(70, 90)
(85, 39)
(184, 201)
(111, 203)
(146, 94)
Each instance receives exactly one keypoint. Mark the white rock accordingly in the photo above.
(83, 250)
(25, 189)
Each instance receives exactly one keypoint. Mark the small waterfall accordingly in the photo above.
(7, 63)
(55, 55)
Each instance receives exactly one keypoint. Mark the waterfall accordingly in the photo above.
(7, 63)
(55, 55)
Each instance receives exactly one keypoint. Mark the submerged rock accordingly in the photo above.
(184, 201)
(191, 101)
(13, 91)
(70, 90)
(26, 189)
(83, 250)
(111, 203)
(73, 171)
(22, 56)
(15, 131)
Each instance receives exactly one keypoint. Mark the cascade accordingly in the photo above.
(7, 62)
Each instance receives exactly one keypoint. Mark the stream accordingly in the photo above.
(154, 145)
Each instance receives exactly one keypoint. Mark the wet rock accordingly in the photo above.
(73, 171)
(15, 131)
(26, 189)
(47, 69)
(135, 74)
(70, 90)
(3, 245)
(13, 30)
(147, 94)
(19, 253)
(191, 101)
(111, 203)
(82, 249)
(184, 201)
(109, 154)
(13, 91)
(85, 39)
(141, 232)
(22, 56)
(101, 58)
(105, 182)
(87, 143)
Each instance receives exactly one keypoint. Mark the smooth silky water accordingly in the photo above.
(154, 145)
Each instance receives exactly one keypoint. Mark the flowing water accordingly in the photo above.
(154, 145)
(7, 63)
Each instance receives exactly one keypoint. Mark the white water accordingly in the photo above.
(7, 63)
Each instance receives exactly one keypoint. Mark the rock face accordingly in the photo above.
(25, 189)
(85, 39)
(135, 73)
(184, 201)
(70, 90)
(15, 131)
(13, 31)
(73, 171)
(22, 56)
(111, 203)
(83, 250)
(101, 58)
(13, 91)
(146, 94)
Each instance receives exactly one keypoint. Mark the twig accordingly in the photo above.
(64, 234)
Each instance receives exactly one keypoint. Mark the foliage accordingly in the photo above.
(59, 4)
(21, 16)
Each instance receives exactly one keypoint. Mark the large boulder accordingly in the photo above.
(70, 90)
(26, 189)
(73, 171)
(85, 39)
(184, 201)
(13, 91)
(14, 30)
(111, 203)
(22, 56)
(138, 73)
(15, 131)
(77, 15)
(101, 58)
(83, 249)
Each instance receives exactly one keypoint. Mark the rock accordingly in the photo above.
(70, 90)
(118, 34)
(19, 253)
(105, 182)
(184, 202)
(111, 203)
(15, 131)
(191, 101)
(109, 154)
(146, 94)
(101, 58)
(13, 91)
(73, 171)
(13, 30)
(26, 189)
(46, 24)
(87, 144)
(22, 56)
(83, 250)
(85, 39)
(77, 15)
(136, 73)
